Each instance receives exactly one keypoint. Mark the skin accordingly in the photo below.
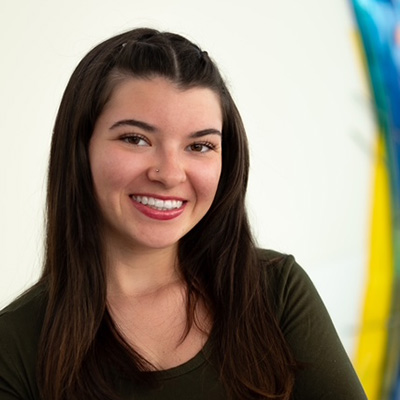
(150, 125)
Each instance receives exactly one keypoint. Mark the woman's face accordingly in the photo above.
(155, 157)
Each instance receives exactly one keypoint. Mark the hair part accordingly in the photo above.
(79, 339)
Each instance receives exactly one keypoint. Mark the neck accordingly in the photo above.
(135, 273)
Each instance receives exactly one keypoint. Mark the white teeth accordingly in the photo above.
(162, 205)
(159, 203)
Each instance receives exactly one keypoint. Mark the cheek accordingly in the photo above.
(110, 173)
(207, 180)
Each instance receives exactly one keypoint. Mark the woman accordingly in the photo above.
(152, 286)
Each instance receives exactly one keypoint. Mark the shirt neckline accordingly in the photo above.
(188, 366)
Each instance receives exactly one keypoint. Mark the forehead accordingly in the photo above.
(159, 97)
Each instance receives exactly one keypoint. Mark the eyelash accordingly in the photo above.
(129, 139)
(134, 139)
(208, 145)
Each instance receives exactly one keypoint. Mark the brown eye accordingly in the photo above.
(201, 147)
(197, 147)
(136, 140)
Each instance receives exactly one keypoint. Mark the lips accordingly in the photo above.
(159, 209)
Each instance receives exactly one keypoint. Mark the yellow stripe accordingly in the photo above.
(370, 357)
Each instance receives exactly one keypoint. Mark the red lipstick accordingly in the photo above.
(154, 213)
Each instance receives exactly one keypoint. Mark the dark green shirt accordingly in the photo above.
(328, 373)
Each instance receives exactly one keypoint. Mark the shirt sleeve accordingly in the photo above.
(326, 372)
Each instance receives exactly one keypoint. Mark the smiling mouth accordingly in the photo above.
(158, 204)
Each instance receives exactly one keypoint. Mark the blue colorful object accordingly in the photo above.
(378, 357)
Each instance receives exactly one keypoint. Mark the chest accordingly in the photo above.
(157, 329)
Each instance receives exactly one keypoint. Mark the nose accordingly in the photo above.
(167, 169)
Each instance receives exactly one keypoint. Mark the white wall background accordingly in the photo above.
(293, 71)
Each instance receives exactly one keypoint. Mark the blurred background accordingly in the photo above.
(300, 76)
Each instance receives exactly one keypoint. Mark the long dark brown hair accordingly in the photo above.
(218, 258)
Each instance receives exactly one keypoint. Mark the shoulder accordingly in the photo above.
(294, 295)
(309, 332)
(33, 297)
(277, 265)
(25, 313)
(285, 279)
(20, 329)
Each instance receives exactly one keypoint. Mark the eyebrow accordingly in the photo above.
(150, 128)
(206, 132)
(133, 122)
